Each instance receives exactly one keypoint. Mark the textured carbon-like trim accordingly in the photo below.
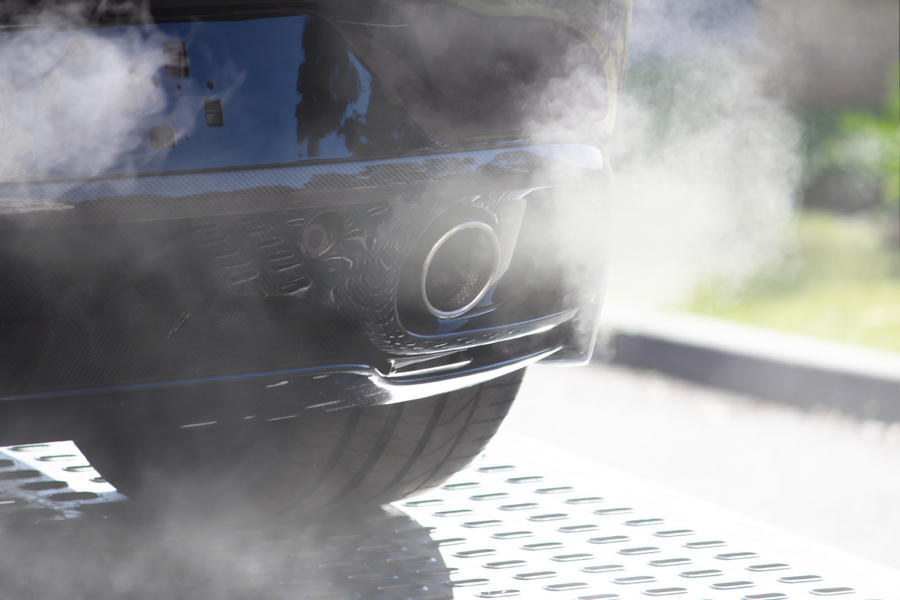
(283, 186)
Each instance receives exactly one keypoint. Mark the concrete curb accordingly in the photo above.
(782, 367)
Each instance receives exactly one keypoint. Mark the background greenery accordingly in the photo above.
(840, 276)
(839, 280)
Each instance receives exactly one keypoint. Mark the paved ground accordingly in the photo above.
(823, 476)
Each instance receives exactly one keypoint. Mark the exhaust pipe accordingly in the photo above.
(459, 269)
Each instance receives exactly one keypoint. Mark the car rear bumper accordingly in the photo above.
(179, 300)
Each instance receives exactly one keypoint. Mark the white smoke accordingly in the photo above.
(706, 164)
(707, 195)
(72, 98)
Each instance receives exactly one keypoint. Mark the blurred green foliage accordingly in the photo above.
(866, 142)
(838, 281)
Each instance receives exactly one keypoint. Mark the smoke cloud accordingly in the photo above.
(72, 99)
(706, 164)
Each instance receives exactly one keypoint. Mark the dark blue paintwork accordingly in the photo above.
(253, 67)
(278, 105)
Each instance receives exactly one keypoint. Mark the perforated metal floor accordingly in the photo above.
(540, 526)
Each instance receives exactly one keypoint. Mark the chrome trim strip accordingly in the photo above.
(399, 391)
(465, 362)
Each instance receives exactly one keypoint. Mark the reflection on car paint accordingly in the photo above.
(223, 94)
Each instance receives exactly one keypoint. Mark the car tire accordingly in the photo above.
(324, 460)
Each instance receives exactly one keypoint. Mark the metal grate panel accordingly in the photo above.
(536, 529)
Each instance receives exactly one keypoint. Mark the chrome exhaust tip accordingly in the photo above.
(459, 269)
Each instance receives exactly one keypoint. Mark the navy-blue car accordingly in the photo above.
(295, 252)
